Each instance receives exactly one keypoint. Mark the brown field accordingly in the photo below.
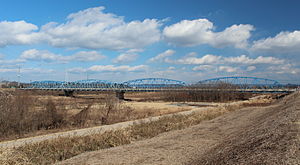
(31, 113)
(27, 114)
(253, 135)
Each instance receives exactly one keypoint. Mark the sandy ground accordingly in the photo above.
(161, 108)
(267, 135)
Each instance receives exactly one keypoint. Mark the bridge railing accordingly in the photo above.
(161, 83)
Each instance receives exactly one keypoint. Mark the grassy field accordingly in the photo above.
(31, 113)
(51, 151)
(26, 114)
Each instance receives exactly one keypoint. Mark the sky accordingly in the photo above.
(120, 40)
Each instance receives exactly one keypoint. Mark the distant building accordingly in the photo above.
(8, 84)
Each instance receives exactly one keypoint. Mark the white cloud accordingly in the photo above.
(85, 56)
(214, 59)
(26, 70)
(189, 33)
(284, 69)
(90, 28)
(14, 61)
(77, 70)
(284, 42)
(39, 55)
(5, 70)
(243, 59)
(207, 59)
(171, 68)
(46, 56)
(94, 29)
(236, 35)
(125, 58)
(251, 68)
(134, 50)
(37, 70)
(109, 68)
(203, 68)
(162, 56)
(18, 32)
(227, 69)
(163, 73)
(200, 31)
(191, 54)
(128, 56)
(121, 68)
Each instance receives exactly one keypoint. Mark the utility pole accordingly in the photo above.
(19, 76)
(66, 76)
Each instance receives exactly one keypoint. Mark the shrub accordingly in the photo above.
(19, 114)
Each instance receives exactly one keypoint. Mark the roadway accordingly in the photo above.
(270, 90)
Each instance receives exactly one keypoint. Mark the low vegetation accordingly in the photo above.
(48, 152)
(19, 114)
(215, 93)
(205, 96)
(51, 151)
(26, 113)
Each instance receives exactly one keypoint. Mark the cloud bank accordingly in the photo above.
(201, 31)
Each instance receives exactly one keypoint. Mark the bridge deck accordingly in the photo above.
(281, 90)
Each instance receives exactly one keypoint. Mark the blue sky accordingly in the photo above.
(120, 40)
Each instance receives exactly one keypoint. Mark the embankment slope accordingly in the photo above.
(253, 135)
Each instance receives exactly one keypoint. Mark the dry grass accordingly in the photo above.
(23, 114)
(19, 114)
(26, 113)
(175, 122)
(49, 152)
(196, 96)
(13, 157)
(52, 151)
(270, 138)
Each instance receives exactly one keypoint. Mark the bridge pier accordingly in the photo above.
(69, 93)
(120, 95)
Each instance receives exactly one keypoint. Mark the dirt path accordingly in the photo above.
(249, 136)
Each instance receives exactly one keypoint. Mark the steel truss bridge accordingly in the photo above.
(233, 84)
(242, 82)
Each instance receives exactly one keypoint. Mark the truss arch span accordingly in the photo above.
(241, 81)
(154, 83)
